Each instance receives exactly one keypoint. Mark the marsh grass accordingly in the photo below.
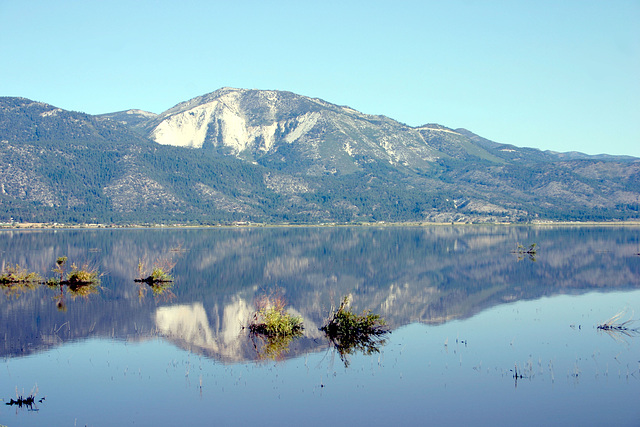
(19, 274)
(158, 272)
(349, 332)
(159, 275)
(273, 327)
(80, 281)
(156, 276)
(84, 275)
(523, 251)
(16, 280)
(272, 320)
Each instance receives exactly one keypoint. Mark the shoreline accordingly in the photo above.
(57, 226)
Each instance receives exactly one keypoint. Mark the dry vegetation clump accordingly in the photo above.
(273, 326)
(530, 251)
(80, 281)
(18, 274)
(156, 276)
(84, 275)
(272, 320)
(16, 280)
(157, 273)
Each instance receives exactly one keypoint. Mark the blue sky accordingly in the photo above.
(559, 75)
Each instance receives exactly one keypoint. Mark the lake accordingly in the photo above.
(465, 311)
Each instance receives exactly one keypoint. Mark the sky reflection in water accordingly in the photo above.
(451, 373)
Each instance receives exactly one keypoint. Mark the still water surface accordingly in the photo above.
(463, 309)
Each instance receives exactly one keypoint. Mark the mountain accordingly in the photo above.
(274, 156)
(513, 153)
(258, 124)
(23, 120)
(290, 132)
(63, 166)
(132, 118)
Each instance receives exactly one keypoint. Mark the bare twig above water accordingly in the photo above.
(612, 324)
(617, 328)
(531, 251)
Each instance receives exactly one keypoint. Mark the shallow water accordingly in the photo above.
(464, 312)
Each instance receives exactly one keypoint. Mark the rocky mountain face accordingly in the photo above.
(288, 131)
(273, 156)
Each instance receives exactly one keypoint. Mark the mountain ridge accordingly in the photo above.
(275, 156)
(253, 124)
(483, 142)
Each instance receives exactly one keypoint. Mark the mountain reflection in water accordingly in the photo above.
(407, 275)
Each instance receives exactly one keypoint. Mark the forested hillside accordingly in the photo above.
(277, 157)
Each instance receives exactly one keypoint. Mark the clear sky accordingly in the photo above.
(558, 75)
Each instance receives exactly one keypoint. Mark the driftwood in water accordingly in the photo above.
(28, 402)
(619, 330)
(615, 328)
(613, 325)
(152, 280)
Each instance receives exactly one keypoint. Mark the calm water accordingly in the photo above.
(464, 312)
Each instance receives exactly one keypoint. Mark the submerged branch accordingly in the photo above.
(150, 280)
